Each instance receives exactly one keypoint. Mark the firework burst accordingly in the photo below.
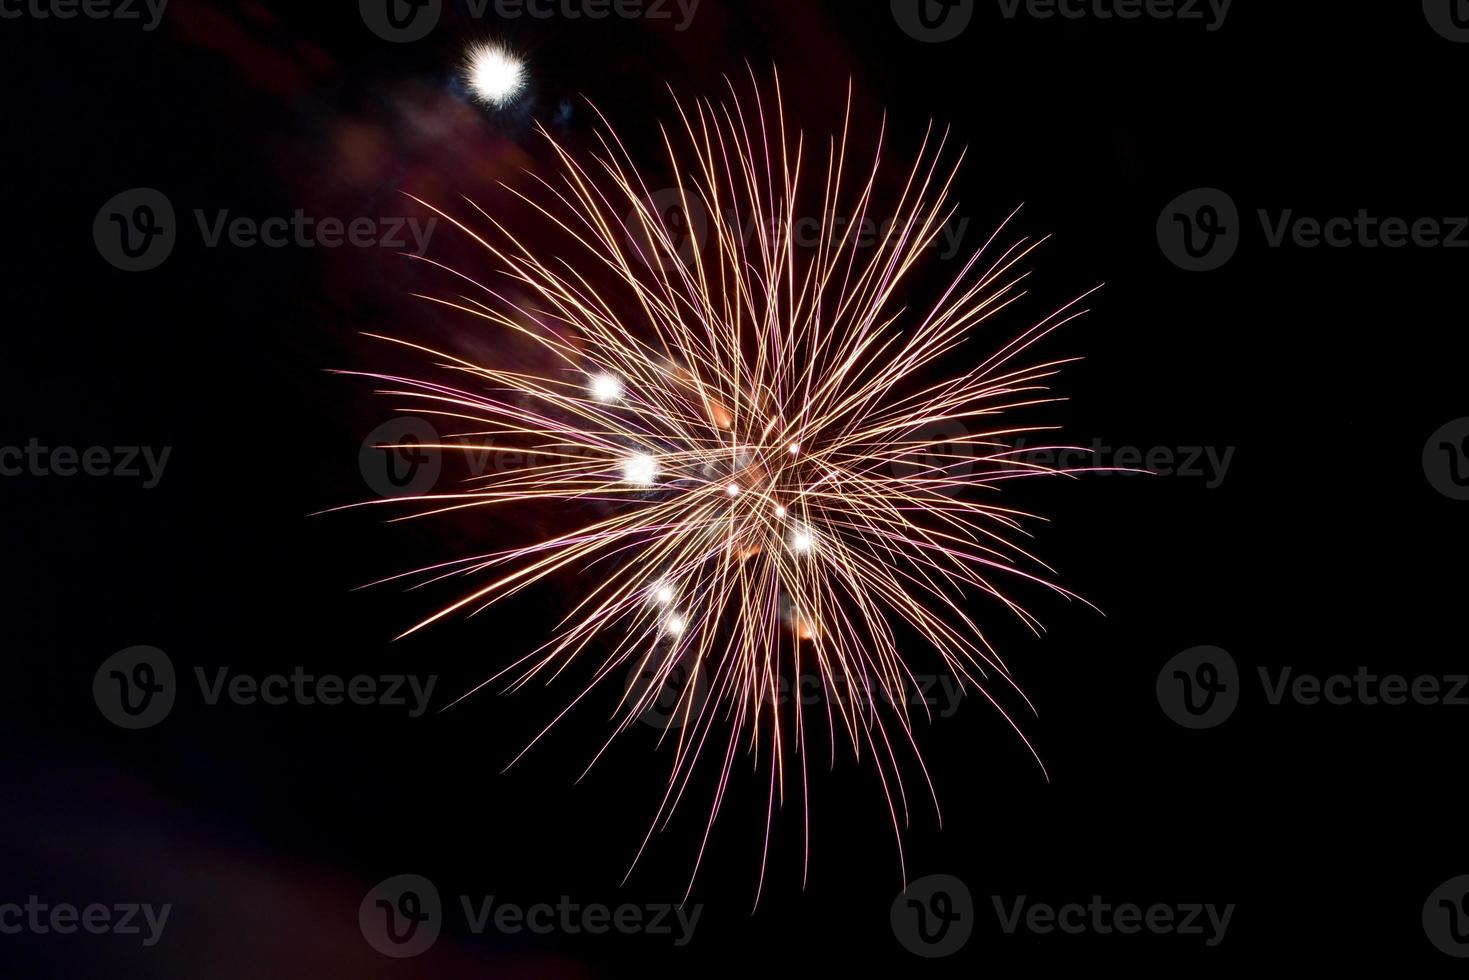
(760, 467)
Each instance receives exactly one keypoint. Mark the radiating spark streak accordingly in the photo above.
(778, 484)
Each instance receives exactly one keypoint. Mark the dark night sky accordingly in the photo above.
(1324, 549)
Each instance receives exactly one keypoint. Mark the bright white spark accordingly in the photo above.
(495, 76)
(606, 388)
(641, 469)
(663, 593)
(676, 624)
(802, 541)
(733, 489)
(780, 511)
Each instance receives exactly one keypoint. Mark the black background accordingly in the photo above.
(1325, 548)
